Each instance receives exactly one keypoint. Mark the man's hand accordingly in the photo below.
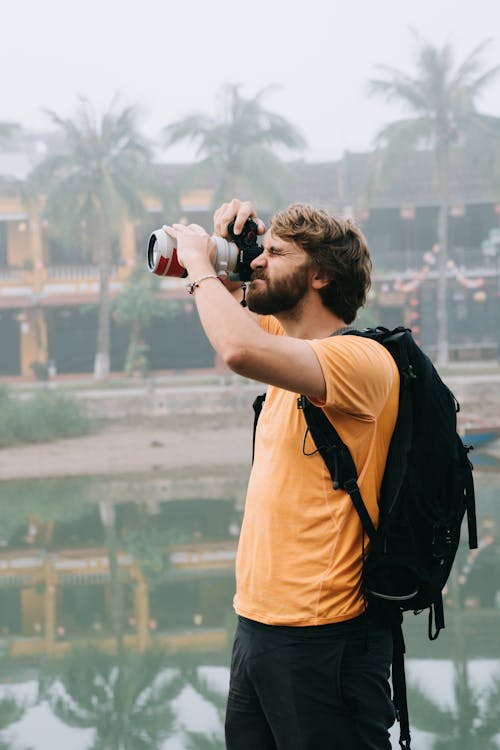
(238, 210)
(194, 245)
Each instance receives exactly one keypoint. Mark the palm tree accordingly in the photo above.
(101, 178)
(107, 513)
(126, 699)
(235, 146)
(11, 711)
(8, 131)
(471, 725)
(197, 740)
(441, 99)
(473, 722)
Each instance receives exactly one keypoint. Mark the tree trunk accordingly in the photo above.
(108, 520)
(442, 282)
(101, 362)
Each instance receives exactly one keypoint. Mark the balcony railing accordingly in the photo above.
(385, 263)
(471, 259)
(75, 273)
(13, 275)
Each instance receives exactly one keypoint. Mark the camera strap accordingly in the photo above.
(243, 302)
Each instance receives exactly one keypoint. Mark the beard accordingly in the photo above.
(280, 295)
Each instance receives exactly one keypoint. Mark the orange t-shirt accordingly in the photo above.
(300, 549)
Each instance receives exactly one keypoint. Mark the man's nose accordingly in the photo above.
(259, 261)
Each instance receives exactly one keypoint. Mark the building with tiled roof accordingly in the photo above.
(42, 295)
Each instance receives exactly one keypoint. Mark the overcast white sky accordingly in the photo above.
(171, 57)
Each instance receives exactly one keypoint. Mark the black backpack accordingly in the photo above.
(427, 489)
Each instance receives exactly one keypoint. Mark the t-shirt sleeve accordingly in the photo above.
(359, 374)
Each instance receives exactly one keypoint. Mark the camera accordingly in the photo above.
(232, 258)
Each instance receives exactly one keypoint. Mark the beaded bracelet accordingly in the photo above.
(191, 286)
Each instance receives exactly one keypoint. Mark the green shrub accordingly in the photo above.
(40, 370)
(9, 420)
(4, 393)
(45, 416)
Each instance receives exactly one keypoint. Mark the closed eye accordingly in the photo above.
(272, 250)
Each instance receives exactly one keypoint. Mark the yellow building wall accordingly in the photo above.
(127, 242)
(18, 244)
(32, 608)
(196, 200)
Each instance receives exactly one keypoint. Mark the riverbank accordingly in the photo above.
(127, 448)
(158, 426)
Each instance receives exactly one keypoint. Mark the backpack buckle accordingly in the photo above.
(441, 541)
(351, 485)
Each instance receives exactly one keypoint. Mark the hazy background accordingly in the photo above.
(171, 57)
(174, 516)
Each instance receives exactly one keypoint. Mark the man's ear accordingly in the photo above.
(319, 281)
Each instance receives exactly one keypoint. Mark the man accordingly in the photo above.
(310, 668)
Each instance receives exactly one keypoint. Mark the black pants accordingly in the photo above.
(310, 688)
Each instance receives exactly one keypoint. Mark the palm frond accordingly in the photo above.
(471, 65)
(8, 130)
(441, 99)
(198, 741)
(11, 710)
(121, 698)
(191, 128)
(398, 86)
(227, 142)
(426, 714)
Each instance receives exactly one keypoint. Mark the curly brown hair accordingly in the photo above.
(337, 248)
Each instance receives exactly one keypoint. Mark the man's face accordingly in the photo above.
(280, 277)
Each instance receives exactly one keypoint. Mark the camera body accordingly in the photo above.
(232, 258)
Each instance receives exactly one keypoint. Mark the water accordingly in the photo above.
(116, 620)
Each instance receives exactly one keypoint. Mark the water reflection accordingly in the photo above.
(104, 570)
(116, 618)
(470, 721)
(126, 698)
(11, 711)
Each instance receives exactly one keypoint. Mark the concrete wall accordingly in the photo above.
(478, 394)
(154, 402)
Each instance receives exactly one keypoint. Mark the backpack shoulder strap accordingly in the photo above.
(342, 469)
(399, 684)
(469, 493)
(337, 458)
(257, 408)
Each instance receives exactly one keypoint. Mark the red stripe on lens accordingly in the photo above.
(175, 268)
(161, 268)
